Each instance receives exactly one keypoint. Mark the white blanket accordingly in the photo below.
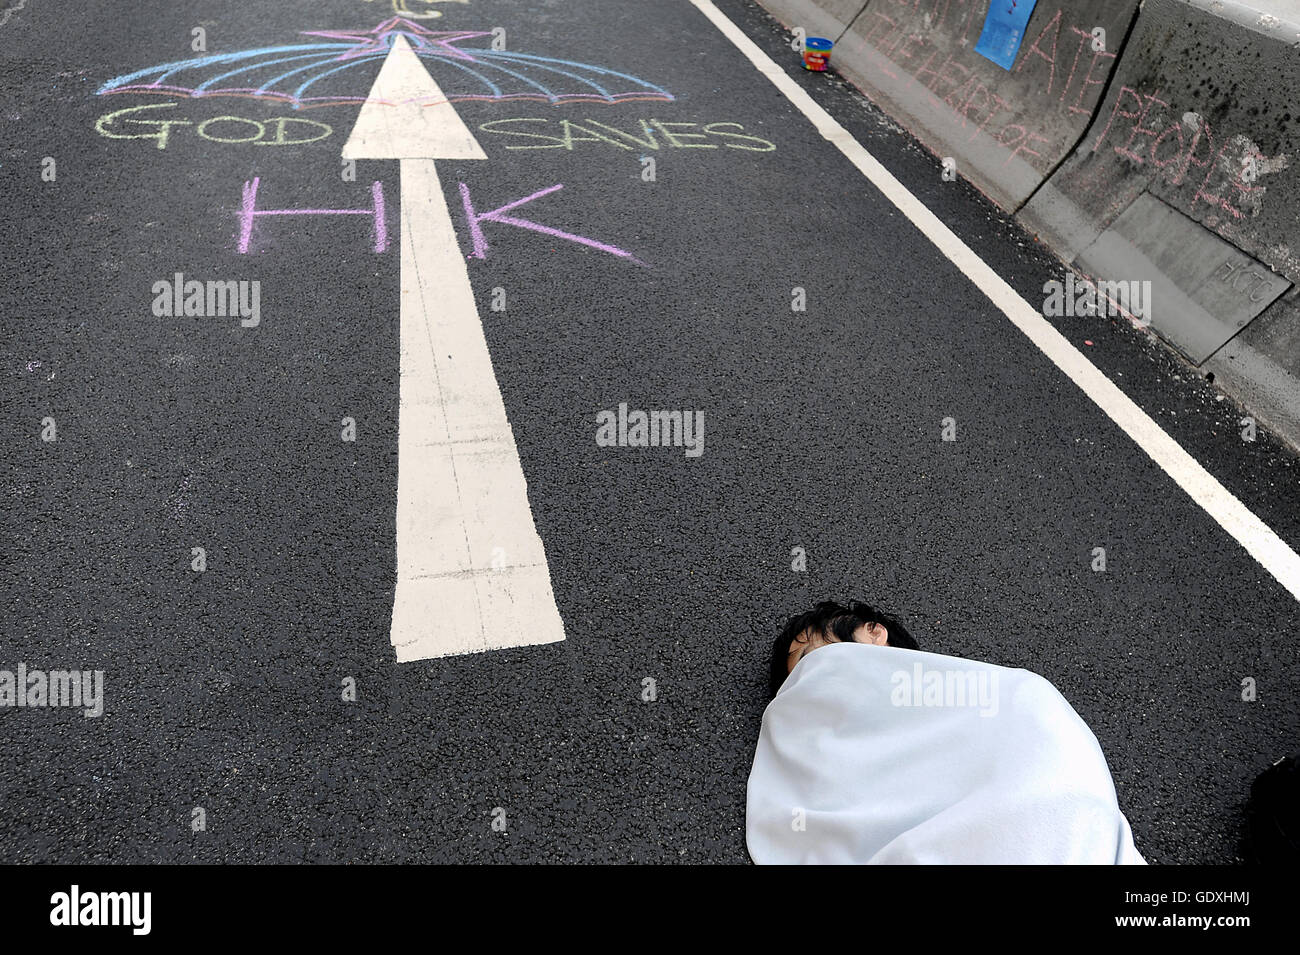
(882, 755)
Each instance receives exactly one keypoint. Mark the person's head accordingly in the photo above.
(830, 622)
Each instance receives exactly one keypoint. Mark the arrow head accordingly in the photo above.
(406, 115)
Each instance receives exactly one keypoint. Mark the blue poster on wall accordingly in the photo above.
(1004, 29)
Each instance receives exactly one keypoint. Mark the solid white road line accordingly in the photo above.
(1254, 535)
(471, 570)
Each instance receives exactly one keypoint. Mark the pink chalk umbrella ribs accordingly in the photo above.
(331, 69)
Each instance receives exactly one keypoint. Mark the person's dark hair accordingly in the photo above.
(835, 623)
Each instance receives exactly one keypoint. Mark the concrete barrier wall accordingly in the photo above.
(1186, 179)
(1006, 129)
(1198, 99)
(1167, 158)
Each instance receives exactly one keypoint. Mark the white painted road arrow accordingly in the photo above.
(471, 571)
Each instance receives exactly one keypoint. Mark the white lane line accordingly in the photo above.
(471, 570)
(1259, 540)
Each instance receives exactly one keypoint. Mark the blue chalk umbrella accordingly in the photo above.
(324, 72)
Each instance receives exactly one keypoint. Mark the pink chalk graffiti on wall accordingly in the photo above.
(973, 103)
(1171, 149)
(1073, 65)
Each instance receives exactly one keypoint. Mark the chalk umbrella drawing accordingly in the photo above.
(324, 72)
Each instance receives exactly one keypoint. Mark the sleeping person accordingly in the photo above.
(872, 751)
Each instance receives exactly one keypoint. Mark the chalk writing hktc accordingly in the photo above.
(1241, 277)
(249, 214)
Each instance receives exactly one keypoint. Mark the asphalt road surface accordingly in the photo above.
(228, 732)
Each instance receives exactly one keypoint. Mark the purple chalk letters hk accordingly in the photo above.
(249, 213)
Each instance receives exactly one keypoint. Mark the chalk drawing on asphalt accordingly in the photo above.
(324, 72)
